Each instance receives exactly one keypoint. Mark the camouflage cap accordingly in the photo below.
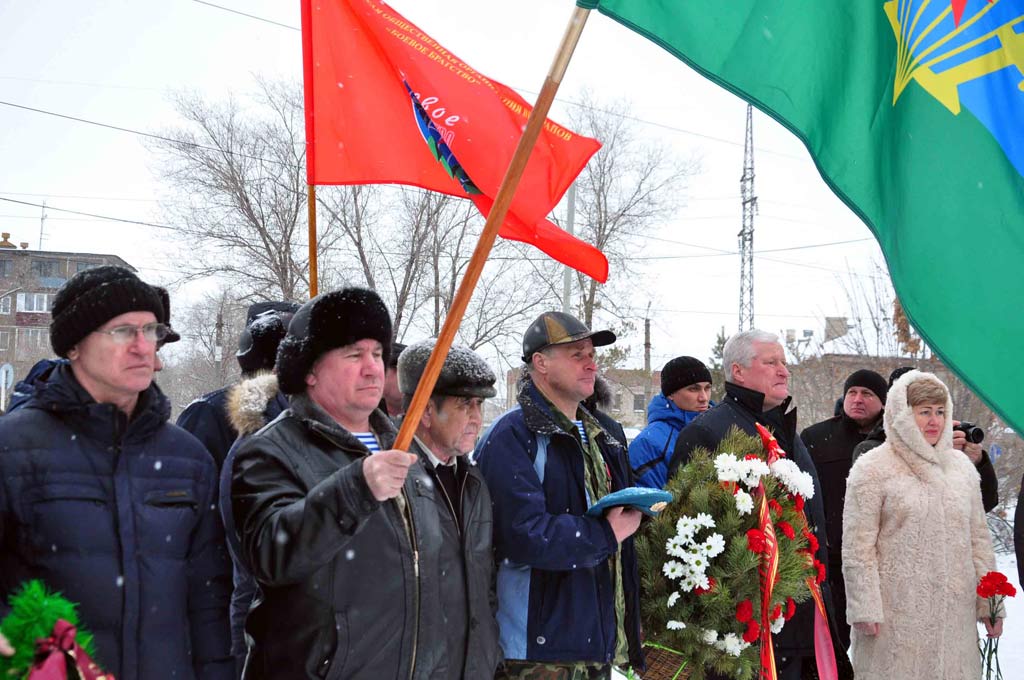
(559, 328)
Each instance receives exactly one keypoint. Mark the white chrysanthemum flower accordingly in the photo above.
(744, 502)
(751, 472)
(710, 636)
(673, 569)
(688, 583)
(672, 599)
(713, 546)
(727, 467)
(732, 644)
(686, 528)
(676, 547)
(703, 519)
(675, 625)
(777, 625)
(793, 478)
(698, 563)
(703, 582)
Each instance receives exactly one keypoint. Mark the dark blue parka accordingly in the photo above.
(120, 516)
(207, 420)
(554, 574)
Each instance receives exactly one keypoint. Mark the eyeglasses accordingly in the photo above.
(152, 332)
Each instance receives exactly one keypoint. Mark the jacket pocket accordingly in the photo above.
(76, 517)
(167, 519)
(333, 663)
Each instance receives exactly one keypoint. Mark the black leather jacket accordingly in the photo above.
(348, 585)
(467, 583)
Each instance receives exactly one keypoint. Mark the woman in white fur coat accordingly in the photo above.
(915, 544)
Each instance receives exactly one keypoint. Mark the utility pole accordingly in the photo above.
(570, 227)
(42, 223)
(746, 234)
(218, 351)
(647, 355)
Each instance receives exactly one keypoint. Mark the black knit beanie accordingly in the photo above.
(326, 322)
(93, 297)
(869, 379)
(683, 371)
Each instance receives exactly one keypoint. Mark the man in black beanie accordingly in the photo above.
(685, 394)
(342, 532)
(208, 416)
(831, 443)
(106, 500)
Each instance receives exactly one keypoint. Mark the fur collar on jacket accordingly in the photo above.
(247, 402)
(905, 437)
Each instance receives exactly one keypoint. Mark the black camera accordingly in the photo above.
(975, 434)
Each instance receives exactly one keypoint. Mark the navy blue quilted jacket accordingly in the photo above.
(120, 516)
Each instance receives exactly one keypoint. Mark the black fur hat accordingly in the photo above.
(93, 297)
(265, 327)
(330, 320)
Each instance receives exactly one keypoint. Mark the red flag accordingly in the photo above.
(385, 103)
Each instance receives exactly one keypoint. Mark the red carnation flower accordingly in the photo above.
(744, 611)
(752, 633)
(821, 571)
(812, 541)
(776, 612)
(1006, 590)
(756, 541)
(790, 609)
(751, 456)
(798, 501)
(787, 529)
(774, 506)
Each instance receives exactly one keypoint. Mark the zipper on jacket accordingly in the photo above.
(416, 574)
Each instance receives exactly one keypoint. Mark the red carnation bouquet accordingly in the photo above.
(995, 588)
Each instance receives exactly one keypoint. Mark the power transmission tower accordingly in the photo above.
(747, 232)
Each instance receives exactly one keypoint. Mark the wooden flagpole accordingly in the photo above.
(311, 206)
(502, 201)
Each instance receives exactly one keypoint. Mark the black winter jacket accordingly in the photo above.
(468, 599)
(347, 585)
(987, 472)
(118, 515)
(741, 408)
(831, 443)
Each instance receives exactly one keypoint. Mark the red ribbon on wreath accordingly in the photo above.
(824, 654)
(60, 651)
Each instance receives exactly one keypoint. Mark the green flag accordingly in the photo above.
(914, 113)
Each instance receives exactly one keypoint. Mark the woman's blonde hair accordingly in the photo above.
(926, 391)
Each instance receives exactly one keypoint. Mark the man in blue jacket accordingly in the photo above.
(108, 503)
(568, 590)
(685, 394)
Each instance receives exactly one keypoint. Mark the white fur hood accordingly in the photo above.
(901, 430)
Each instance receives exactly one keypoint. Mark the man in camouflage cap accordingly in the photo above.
(447, 431)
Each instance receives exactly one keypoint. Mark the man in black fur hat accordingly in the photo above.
(342, 532)
(207, 417)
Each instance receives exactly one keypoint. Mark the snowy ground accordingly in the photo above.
(1011, 647)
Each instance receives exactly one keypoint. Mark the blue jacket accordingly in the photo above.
(120, 516)
(555, 590)
(37, 375)
(206, 419)
(652, 449)
(251, 404)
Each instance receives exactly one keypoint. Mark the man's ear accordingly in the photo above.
(310, 379)
(73, 353)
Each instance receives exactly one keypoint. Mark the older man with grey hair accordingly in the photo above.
(447, 431)
(757, 392)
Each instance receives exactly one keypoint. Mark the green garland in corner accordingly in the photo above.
(34, 611)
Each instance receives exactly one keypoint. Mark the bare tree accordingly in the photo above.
(237, 178)
(627, 187)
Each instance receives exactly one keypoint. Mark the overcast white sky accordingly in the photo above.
(115, 61)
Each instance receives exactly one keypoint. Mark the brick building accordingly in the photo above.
(29, 280)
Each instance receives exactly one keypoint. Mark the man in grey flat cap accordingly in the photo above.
(447, 431)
